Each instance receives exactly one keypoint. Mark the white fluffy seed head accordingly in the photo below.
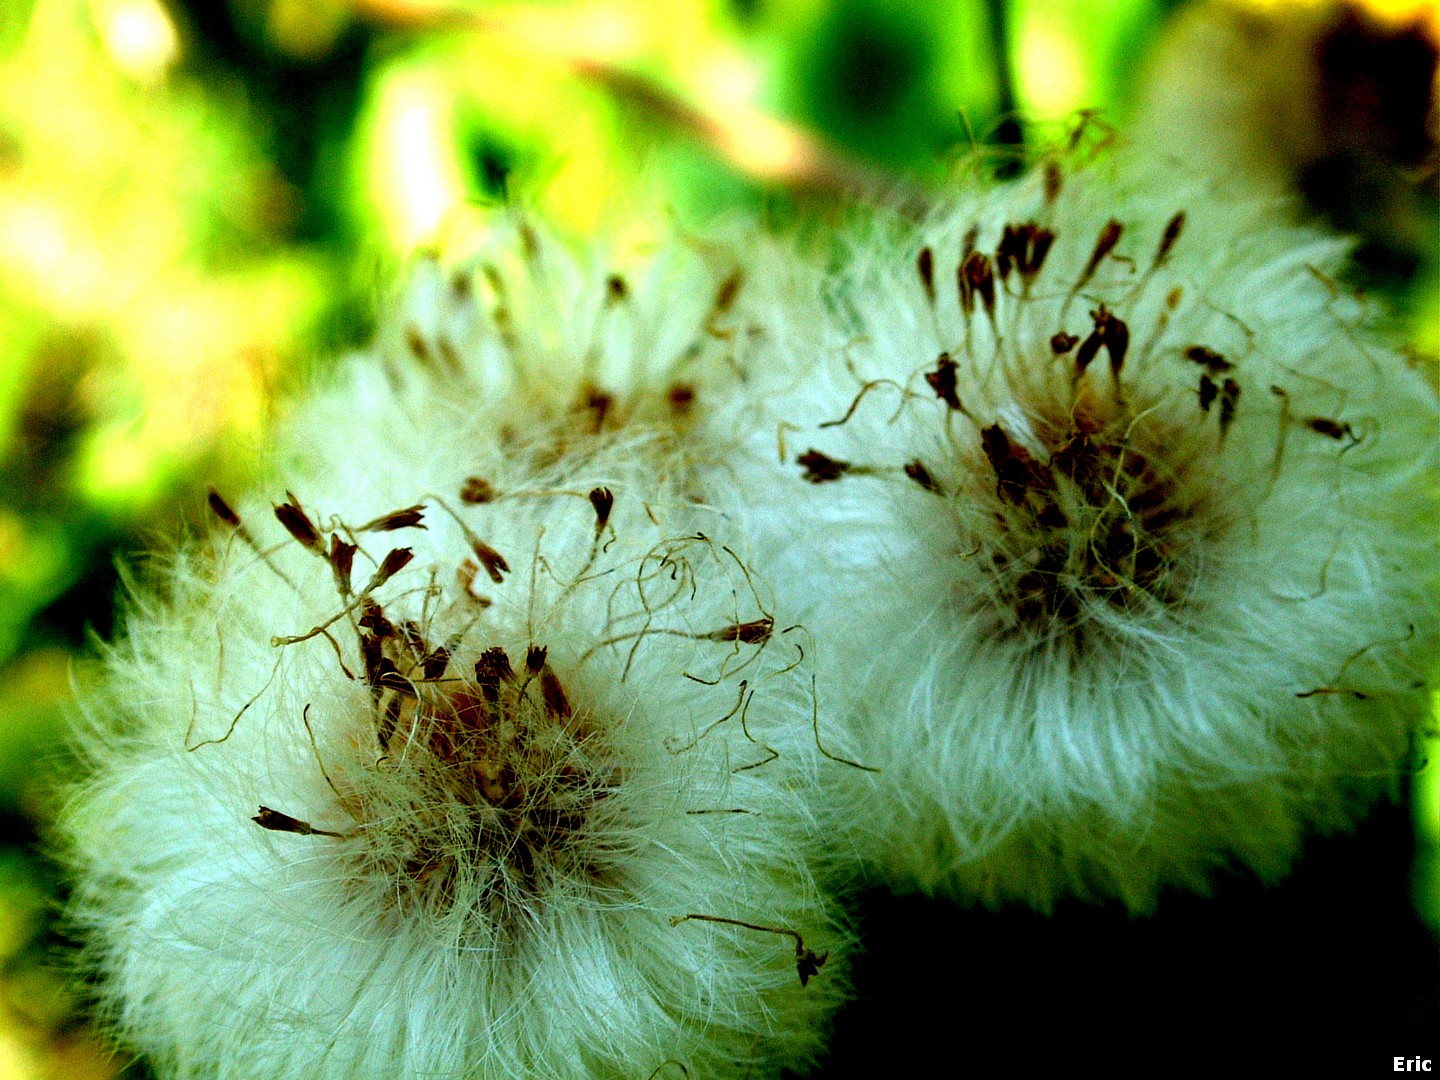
(635, 336)
(1119, 524)
(413, 770)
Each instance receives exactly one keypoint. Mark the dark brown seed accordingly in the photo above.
(1173, 228)
(410, 630)
(434, 665)
(476, 490)
(1052, 517)
(1053, 181)
(615, 288)
(342, 560)
(370, 653)
(1104, 245)
(1209, 359)
(680, 396)
(598, 403)
(1040, 243)
(1016, 472)
(1329, 428)
(980, 277)
(756, 632)
(1089, 349)
(995, 443)
(926, 265)
(297, 523)
(372, 618)
(729, 289)
(819, 468)
(278, 822)
(808, 964)
(416, 342)
(602, 499)
(921, 475)
(943, 380)
(387, 677)
(389, 719)
(395, 560)
(1208, 390)
(1009, 252)
(494, 563)
(491, 669)
(1117, 341)
(408, 518)
(1024, 247)
(221, 509)
(1229, 401)
(1061, 343)
(553, 694)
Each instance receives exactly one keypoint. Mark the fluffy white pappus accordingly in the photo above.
(455, 761)
(636, 332)
(1118, 526)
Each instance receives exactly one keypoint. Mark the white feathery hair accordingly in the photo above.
(459, 831)
(625, 333)
(1119, 534)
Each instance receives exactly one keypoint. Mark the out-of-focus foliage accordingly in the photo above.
(146, 292)
(198, 197)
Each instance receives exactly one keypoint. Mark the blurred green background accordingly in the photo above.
(202, 201)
